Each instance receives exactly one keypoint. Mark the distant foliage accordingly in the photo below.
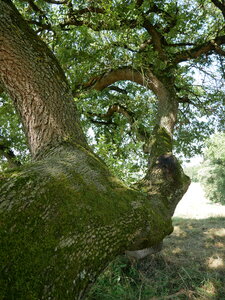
(192, 172)
(212, 174)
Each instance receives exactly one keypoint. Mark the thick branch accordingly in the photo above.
(117, 89)
(65, 218)
(157, 39)
(34, 6)
(141, 133)
(168, 101)
(196, 52)
(124, 73)
(115, 108)
(220, 5)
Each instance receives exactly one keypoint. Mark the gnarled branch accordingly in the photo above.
(141, 133)
(117, 89)
(115, 108)
(34, 6)
(124, 73)
(157, 38)
(196, 52)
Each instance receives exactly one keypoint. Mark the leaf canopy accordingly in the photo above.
(182, 42)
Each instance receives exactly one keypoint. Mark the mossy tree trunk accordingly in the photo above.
(64, 217)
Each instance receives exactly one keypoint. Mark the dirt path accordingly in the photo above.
(194, 205)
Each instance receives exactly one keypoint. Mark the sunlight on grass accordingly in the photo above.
(208, 289)
(190, 266)
(212, 232)
(177, 250)
(215, 262)
(179, 232)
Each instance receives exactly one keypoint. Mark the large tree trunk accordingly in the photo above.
(64, 216)
(37, 84)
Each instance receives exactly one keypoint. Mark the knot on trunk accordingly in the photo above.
(168, 164)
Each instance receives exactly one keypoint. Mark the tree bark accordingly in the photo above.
(37, 85)
(64, 217)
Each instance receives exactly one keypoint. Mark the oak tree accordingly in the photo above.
(127, 64)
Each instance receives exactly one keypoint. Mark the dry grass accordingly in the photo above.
(190, 266)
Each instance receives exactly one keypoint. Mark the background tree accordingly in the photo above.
(192, 172)
(212, 174)
(64, 216)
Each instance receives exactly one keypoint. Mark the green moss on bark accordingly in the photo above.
(63, 219)
(161, 142)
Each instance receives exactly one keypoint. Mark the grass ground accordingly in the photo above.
(190, 266)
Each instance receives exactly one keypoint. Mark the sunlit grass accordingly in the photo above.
(190, 266)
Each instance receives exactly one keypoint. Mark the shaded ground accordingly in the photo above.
(190, 266)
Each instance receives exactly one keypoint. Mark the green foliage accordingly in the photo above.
(127, 281)
(114, 38)
(212, 173)
(11, 131)
(192, 172)
(120, 281)
(118, 142)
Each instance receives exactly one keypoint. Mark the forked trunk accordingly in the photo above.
(64, 217)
